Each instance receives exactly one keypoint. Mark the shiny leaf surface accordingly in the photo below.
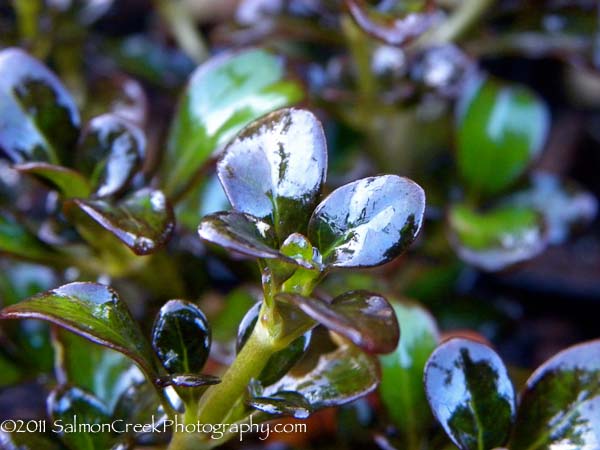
(223, 95)
(99, 370)
(143, 220)
(70, 406)
(470, 394)
(495, 239)
(561, 402)
(181, 337)
(188, 380)
(275, 168)
(339, 377)
(38, 118)
(401, 387)
(365, 318)
(283, 403)
(501, 129)
(91, 310)
(564, 205)
(241, 233)
(69, 182)
(367, 222)
(111, 151)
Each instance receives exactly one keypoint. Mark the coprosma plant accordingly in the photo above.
(273, 173)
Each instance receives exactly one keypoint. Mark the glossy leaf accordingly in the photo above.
(283, 403)
(17, 240)
(280, 362)
(564, 205)
(70, 406)
(401, 388)
(138, 404)
(241, 233)
(143, 220)
(69, 182)
(110, 153)
(181, 337)
(560, 404)
(470, 394)
(495, 239)
(501, 129)
(339, 377)
(367, 222)
(223, 95)
(38, 118)
(99, 370)
(275, 168)
(188, 380)
(91, 310)
(365, 318)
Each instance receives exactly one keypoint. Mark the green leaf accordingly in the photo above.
(368, 222)
(367, 319)
(283, 403)
(181, 337)
(339, 377)
(110, 153)
(93, 311)
(223, 96)
(10, 373)
(69, 182)
(497, 238)
(138, 404)
(564, 205)
(70, 407)
(27, 441)
(38, 117)
(241, 233)
(401, 387)
(280, 362)
(99, 370)
(143, 220)
(188, 380)
(560, 404)
(275, 168)
(470, 394)
(501, 129)
(17, 240)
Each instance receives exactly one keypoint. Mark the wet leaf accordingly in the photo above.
(69, 182)
(122, 96)
(501, 129)
(365, 318)
(181, 337)
(367, 222)
(275, 168)
(138, 404)
(27, 441)
(564, 205)
(110, 153)
(283, 403)
(560, 404)
(223, 95)
(392, 29)
(38, 118)
(70, 407)
(339, 377)
(495, 239)
(401, 388)
(280, 362)
(188, 380)
(17, 240)
(99, 370)
(241, 233)
(143, 220)
(470, 394)
(93, 311)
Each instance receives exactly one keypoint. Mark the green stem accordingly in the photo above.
(457, 24)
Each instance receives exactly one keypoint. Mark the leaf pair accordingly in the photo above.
(471, 395)
(273, 174)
